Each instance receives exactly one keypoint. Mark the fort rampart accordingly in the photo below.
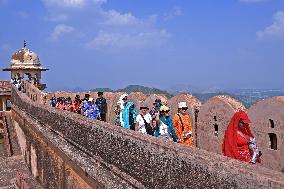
(67, 150)
(210, 120)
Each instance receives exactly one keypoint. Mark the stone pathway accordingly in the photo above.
(2, 150)
(9, 167)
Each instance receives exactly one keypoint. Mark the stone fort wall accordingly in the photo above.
(67, 150)
(210, 124)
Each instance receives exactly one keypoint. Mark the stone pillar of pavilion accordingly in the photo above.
(26, 63)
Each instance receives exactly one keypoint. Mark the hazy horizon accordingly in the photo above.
(226, 44)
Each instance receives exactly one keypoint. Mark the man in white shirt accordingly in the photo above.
(143, 121)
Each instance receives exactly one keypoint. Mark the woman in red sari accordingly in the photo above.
(238, 139)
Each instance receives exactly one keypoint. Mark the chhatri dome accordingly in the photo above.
(25, 59)
(26, 63)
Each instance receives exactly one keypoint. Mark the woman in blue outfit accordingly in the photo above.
(164, 128)
(92, 110)
(129, 116)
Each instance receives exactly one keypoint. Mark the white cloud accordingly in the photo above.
(275, 30)
(71, 3)
(59, 30)
(126, 40)
(174, 12)
(116, 18)
(252, 1)
(105, 28)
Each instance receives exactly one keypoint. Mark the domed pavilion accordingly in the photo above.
(26, 63)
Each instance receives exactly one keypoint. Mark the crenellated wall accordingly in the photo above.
(214, 116)
(267, 118)
(76, 152)
(213, 119)
(34, 93)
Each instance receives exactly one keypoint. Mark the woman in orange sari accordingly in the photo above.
(182, 125)
(239, 143)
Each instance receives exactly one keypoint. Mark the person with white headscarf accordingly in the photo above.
(122, 102)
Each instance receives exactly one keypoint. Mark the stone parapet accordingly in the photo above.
(141, 160)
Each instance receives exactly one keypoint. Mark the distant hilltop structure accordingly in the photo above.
(26, 63)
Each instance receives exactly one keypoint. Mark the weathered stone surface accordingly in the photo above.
(137, 98)
(267, 117)
(10, 166)
(112, 103)
(213, 120)
(63, 164)
(151, 99)
(138, 158)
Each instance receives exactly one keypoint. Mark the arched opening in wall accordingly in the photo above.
(271, 123)
(8, 105)
(1, 133)
(27, 77)
(18, 76)
(216, 129)
(272, 141)
(36, 79)
(215, 118)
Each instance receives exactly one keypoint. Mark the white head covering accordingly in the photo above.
(121, 102)
(182, 105)
(122, 97)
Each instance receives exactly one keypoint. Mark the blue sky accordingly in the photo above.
(107, 43)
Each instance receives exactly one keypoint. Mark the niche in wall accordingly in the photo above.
(216, 127)
(271, 123)
(272, 141)
(8, 105)
(216, 130)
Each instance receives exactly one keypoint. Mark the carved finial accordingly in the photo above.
(25, 43)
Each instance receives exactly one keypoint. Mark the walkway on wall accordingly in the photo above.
(13, 169)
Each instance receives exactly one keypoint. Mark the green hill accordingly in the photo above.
(102, 90)
(143, 89)
(136, 88)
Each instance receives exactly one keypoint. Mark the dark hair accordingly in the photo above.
(87, 95)
(100, 93)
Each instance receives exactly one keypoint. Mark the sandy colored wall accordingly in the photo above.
(267, 118)
(134, 159)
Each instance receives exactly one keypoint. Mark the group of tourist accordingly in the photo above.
(94, 109)
(238, 143)
(157, 121)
